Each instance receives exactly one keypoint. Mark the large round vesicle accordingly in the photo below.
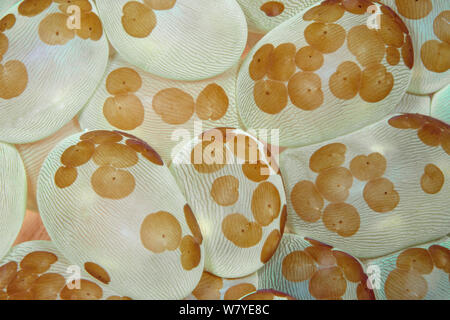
(13, 196)
(264, 15)
(164, 113)
(36, 270)
(148, 33)
(212, 287)
(132, 210)
(414, 273)
(46, 82)
(372, 198)
(237, 198)
(427, 21)
(341, 73)
(307, 270)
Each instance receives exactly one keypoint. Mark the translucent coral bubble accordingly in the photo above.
(212, 287)
(164, 113)
(36, 270)
(364, 197)
(307, 269)
(147, 34)
(263, 15)
(347, 76)
(132, 214)
(47, 93)
(13, 196)
(238, 202)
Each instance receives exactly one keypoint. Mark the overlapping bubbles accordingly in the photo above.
(227, 149)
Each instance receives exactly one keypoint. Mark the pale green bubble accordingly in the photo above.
(55, 81)
(411, 211)
(13, 195)
(317, 114)
(438, 286)
(204, 186)
(424, 81)
(61, 266)
(276, 273)
(164, 137)
(90, 225)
